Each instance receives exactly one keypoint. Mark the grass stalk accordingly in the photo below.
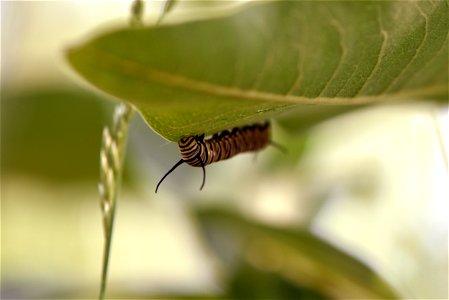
(112, 156)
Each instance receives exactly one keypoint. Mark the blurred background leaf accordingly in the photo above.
(52, 133)
(293, 258)
(206, 76)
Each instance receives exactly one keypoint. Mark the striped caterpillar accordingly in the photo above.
(199, 152)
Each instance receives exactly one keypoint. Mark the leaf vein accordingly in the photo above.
(417, 50)
(339, 29)
(437, 53)
(300, 63)
(384, 34)
(136, 70)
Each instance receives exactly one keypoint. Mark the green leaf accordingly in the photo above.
(295, 255)
(205, 76)
(249, 282)
(46, 137)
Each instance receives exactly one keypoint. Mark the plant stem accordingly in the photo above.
(440, 136)
(112, 155)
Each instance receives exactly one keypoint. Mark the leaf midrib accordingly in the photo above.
(134, 69)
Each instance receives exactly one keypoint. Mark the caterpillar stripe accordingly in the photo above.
(198, 152)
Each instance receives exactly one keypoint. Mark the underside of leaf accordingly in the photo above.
(209, 75)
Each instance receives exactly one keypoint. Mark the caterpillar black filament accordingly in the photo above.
(198, 152)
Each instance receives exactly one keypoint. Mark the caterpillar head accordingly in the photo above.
(189, 147)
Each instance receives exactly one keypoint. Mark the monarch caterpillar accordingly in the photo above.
(198, 152)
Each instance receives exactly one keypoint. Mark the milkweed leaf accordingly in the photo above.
(268, 57)
(296, 255)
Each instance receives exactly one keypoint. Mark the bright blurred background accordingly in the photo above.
(373, 182)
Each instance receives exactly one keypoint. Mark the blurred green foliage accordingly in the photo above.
(284, 263)
(52, 133)
(251, 283)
